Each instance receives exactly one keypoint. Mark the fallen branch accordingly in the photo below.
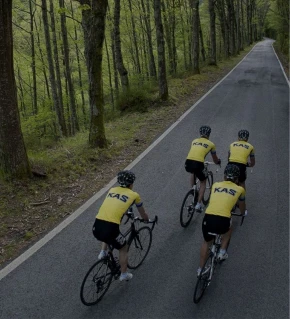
(39, 203)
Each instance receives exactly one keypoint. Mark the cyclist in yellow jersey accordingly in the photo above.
(194, 163)
(106, 227)
(217, 219)
(239, 153)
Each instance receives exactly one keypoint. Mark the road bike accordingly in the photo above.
(208, 270)
(190, 200)
(101, 274)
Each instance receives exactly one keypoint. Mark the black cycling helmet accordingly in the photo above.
(126, 178)
(232, 171)
(205, 130)
(243, 135)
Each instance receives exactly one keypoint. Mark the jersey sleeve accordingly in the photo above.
(138, 201)
(242, 195)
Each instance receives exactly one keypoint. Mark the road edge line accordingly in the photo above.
(39, 244)
(281, 66)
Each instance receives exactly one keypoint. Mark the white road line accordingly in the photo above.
(287, 80)
(28, 253)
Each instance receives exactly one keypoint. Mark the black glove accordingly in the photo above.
(219, 162)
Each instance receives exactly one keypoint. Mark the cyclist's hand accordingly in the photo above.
(219, 162)
(248, 164)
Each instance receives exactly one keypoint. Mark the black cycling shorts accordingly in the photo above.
(243, 171)
(109, 233)
(196, 168)
(214, 224)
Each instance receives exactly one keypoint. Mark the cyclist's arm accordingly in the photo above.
(252, 161)
(242, 206)
(142, 213)
(215, 158)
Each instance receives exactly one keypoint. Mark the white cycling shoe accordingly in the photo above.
(222, 256)
(102, 254)
(126, 276)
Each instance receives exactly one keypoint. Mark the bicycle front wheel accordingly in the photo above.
(96, 282)
(209, 182)
(139, 247)
(187, 208)
(202, 280)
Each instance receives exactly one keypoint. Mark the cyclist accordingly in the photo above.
(106, 227)
(217, 217)
(194, 164)
(239, 153)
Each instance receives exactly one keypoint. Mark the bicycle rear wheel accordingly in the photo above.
(139, 247)
(188, 207)
(207, 192)
(202, 280)
(96, 282)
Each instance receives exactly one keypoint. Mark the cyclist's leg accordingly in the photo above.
(123, 258)
(202, 178)
(208, 239)
(189, 167)
(201, 190)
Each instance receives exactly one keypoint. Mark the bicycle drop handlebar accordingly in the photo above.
(130, 215)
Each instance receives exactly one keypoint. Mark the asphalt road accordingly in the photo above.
(252, 283)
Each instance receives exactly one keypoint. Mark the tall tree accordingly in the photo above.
(195, 35)
(118, 54)
(162, 80)
(93, 20)
(13, 156)
(71, 91)
(212, 32)
(57, 106)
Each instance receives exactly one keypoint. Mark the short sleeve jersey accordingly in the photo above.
(240, 151)
(117, 202)
(224, 196)
(200, 147)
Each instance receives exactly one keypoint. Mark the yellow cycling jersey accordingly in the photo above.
(240, 151)
(224, 196)
(200, 147)
(116, 203)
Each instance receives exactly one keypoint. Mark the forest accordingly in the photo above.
(70, 66)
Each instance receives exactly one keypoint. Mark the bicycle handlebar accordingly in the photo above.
(130, 215)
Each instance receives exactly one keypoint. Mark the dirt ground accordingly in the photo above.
(39, 205)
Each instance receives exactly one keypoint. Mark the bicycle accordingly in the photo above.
(207, 271)
(190, 199)
(99, 277)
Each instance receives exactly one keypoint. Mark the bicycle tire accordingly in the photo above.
(207, 192)
(139, 247)
(187, 211)
(96, 282)
(202, 281)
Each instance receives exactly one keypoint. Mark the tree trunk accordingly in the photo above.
(93, 21)
(195, 35)
(13, 157)
(57, 107)
(212, 33)
(71, 91)
(110, 75)
(79, 69)
(42, 58)
(118, 52)
(152, 65)
(135, 39)
(201, 40)
(33, 68)
(162, 81)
